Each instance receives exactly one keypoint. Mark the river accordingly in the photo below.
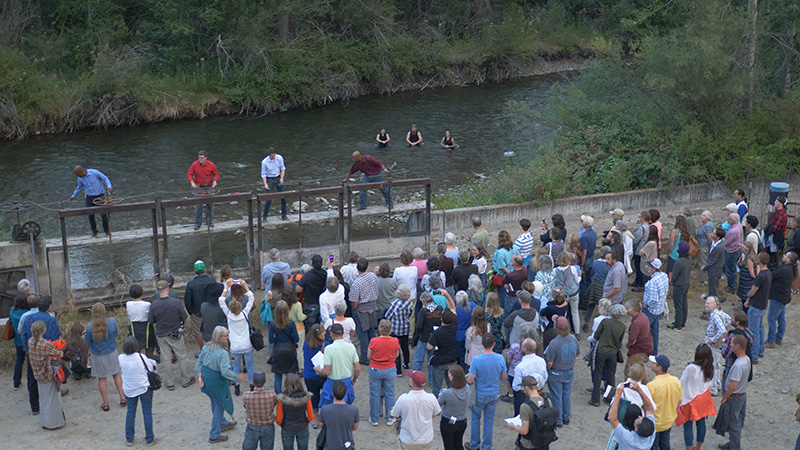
(316, 144)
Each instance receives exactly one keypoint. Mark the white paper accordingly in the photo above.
(435, 328)
(318, 360)
(516, 421)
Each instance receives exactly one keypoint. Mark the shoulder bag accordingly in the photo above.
(8, 332)
(694, 247)
(152, 377)
(256, 338)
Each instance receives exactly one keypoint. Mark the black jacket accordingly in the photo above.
(203, 288)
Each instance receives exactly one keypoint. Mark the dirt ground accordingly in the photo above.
(182, 417)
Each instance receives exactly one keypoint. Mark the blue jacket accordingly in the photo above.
(51, 334)
(107, 345)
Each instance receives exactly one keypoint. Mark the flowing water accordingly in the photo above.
(316, 144)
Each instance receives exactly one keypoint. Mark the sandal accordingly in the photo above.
(123, 403)
(104, 408)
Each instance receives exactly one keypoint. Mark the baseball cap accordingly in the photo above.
(161, 285)
(617, 212)
(337, 329)
(533, 380)
(661, 360)
(562, 323)
(588, 220)
(417, 376)
(683, 247)
(199, 266)
(316, 261)
(781, 199)
(656, 263)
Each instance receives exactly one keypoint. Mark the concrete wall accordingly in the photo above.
(17, 255)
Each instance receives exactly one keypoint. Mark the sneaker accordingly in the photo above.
(469, 447)
(726, 445)
(196, 355)
(589, 390)
(94, 234)
(374, 424)
(252, 387)
(195, 229)
(190, 382)
(507, 398)
(754, 361)
(211, 225)
(171, 388)
(361, 208)
(153, 442)
(284, 218)
(672, 326)
(236, 391)
(390, 421)
(228, 427)
(594, 403)
(566, 421)
(221, 438)
(129, 444)
(779, 342)
(585, 328)
(768, 345)
(16, 388)
(64, 392)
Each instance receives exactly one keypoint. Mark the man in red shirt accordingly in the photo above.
(640, 341)
(373, 172)
(203, 174)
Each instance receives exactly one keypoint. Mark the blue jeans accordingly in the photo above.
(18, 364)
(218, 419)
(755, 321)
(440, 372)
(381, 380)
(485, 404)
(730, 268)
(662, 440)
(364, 336)
(362, 195)
(248, 362)
(288, 438)
(654, 324)
(275, 186)
(560, 382)
(198, 215)
(776, 318)
(278, 382)
(255, 434)
(688, 432)
(422, 355)
(147, 414)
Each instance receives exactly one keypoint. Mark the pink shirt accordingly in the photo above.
(422, 267)
(733, 240)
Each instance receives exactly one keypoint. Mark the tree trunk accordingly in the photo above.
(787, 76)
(752, 9)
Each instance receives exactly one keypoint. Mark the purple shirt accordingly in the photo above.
(368, 166)
(734, 238)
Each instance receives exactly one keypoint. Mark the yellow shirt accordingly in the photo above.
(666, 391)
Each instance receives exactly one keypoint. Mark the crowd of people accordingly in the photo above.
(506, 328)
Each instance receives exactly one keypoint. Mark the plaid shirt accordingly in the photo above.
(365, 288)
(399, 313)
(716, 327)
(655, 293)
(260, 407)
(39, 355)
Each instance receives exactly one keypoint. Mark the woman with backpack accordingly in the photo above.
(136, 386)
(239, 327)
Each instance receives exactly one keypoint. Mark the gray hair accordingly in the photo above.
(733, 218)
(545, 263)
(621, 225)
(305, 268)
(216, 338)
(23, 285)
(426, 297)
(524, 296)
(434, 281)
(634, 305)
(340, 308)
(332, 283)
(449, 238)
(475, 283)
(462, 299)
(617, 311)
(402, 292)
(418, 253)
(707, 213)
(463, 256)
(529, 345)
(274, 254)
(602, 306)
(685, 211)
(731, 207)
(528, 330)
(604, 250)
(476, 221)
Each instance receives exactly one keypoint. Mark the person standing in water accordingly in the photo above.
(414, 137)
(203, 174)
(447, 141)
(383, 138)
(95, 184)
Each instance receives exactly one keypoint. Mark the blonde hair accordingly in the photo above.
(99, 326)
(493, 304)
(37, 329)
(281, 315)
(478, 322)
(235, 306)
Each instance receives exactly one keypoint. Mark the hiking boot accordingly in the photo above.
(768, 345)
(190, 382)
(228, 427)
(236, 390)
(221, 438)
(779, 342)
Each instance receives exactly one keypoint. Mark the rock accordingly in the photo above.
(480, 175)
(785, 390)
(237, 232)
(299, 206)
(233, 203)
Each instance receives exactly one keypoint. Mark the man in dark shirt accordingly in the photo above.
(198, 291)
(757, 303)
(167, 314)
(462, 272)
(512, 282)
(373, 172)
(443, 344)
(780, 294)
(340, 419)
(311, 285)
(640, 341)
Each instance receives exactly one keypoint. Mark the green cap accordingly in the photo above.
(199, 266)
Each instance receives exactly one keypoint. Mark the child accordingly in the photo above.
(294, 412)
(77, 352)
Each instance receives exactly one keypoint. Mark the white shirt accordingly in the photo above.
(238, 328)
(693, 383)
(349, 273)
(529, 365)
(348, 324)
(481, 263)
(407, 276)
(134, 375)
(138, 310)
(272, 168)
(328, 301)
(596, 324)
(417, 409)
(632, 396)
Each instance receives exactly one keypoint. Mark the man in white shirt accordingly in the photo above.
(349, 271)
(272, 172)
(417, 409)
(530, 365)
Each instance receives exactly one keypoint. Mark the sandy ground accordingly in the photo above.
(182, 417)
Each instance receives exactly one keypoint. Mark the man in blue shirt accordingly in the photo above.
(486, 371)
(95, 185)
(272, 172)
(642, 436)
(52, 333)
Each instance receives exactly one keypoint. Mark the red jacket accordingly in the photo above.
(203, 175)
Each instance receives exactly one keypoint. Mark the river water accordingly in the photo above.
(316, 144)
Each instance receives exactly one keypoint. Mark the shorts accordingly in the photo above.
(192, 325)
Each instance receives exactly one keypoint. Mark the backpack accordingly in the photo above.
(542, 431)
(760, 242)
(294, 281)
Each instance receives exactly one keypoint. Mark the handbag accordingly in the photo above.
(152, 377)
(266, 311)
(256, 338)
(497, 280)
(620, 358)
(8, 332)
(694, 247)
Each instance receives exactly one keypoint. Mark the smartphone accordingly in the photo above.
(330, 258)
(627, 385)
